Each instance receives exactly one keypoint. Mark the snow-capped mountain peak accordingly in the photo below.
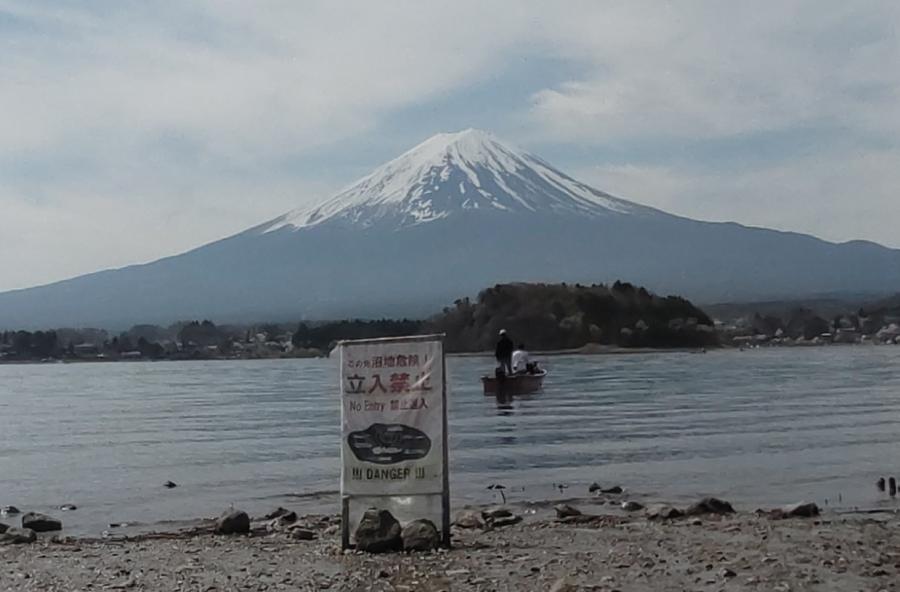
(454, 172)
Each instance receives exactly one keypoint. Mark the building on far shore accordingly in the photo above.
(86, 350)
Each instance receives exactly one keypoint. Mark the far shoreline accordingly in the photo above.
(588, 350)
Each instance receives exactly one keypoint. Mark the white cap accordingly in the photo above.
(502, 331)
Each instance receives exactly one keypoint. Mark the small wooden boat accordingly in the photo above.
(517, 384)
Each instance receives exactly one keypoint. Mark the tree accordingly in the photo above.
(199, 333)
(271, 331)
(21, 343)
(300, 338)
(43, 344)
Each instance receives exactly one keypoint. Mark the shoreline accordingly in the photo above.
(586, 350)
(604, 548)
(592, 350)
(589, 350)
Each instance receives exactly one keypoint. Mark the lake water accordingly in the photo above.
(756, 427)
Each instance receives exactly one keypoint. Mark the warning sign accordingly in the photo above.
(393, 417)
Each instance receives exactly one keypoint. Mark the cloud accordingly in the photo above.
(709, 70)
(831, 196)
(240, 80)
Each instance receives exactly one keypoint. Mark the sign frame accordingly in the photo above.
(445, 460)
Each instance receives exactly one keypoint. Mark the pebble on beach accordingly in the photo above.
(495, 513)
(564, 585)
(798, 510)
(663, 512)
(709, 505)
(281, 520)
(469, 519)
(278, 513)
(17, 536)
(504, 521)
(499, 517)
(565, 511)
(625, 553)
(298, 533)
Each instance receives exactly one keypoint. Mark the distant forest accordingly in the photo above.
(563, 316)
(828, 320)
(543, 316)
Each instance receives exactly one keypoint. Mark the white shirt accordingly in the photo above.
(519, 360)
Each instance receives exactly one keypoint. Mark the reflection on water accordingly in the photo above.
(505, 407)
(764, 426)
(507, 430)
(506, 403)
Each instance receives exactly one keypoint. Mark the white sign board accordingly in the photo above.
(393, 417)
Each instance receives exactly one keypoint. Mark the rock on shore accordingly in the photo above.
(565, 511)
(233, 522)
(279, 512)
(40, 522)
(15, 536)
(709, 505)
(469, 519)
(378, 532)
(663, 512)
(298, 533)
(798, 510)
(420, 535)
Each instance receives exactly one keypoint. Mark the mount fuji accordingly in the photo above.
(455, 214)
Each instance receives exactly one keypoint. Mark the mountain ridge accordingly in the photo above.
(404, 241)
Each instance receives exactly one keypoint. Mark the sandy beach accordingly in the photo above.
(604, 549)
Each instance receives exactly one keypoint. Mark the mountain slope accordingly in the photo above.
(456, 214)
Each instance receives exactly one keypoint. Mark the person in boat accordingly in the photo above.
(503, 352)
(521, 363)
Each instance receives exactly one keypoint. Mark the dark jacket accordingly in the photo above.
(504, 348)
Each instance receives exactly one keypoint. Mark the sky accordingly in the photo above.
(131, 130)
